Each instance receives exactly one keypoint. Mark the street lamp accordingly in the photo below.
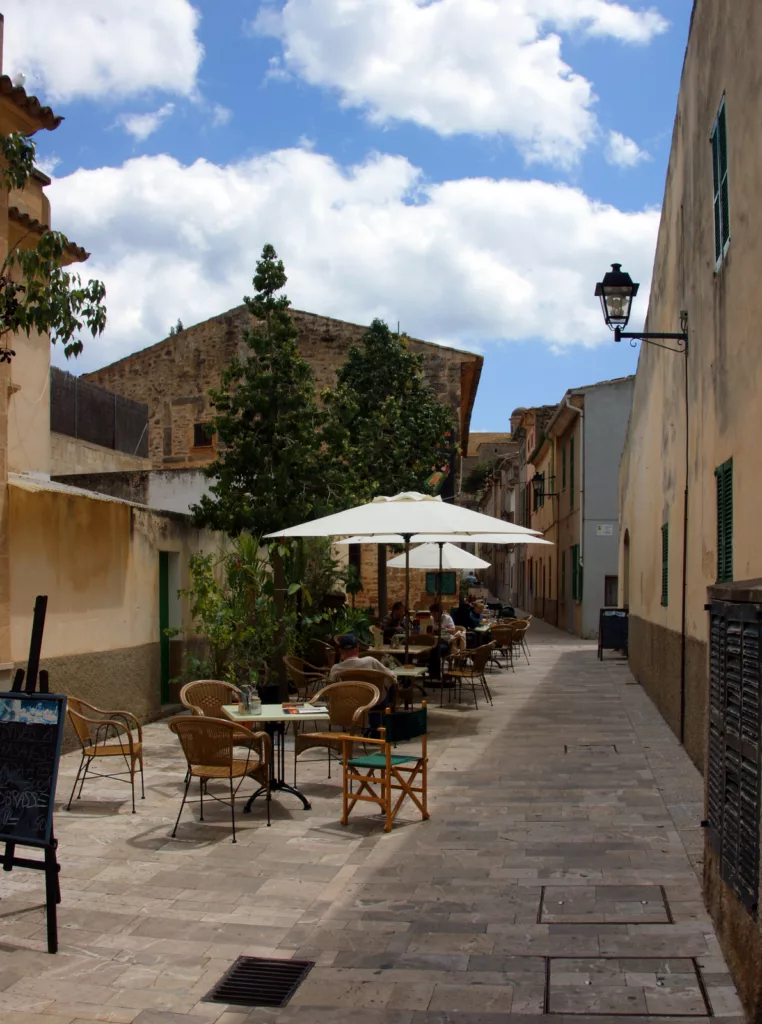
(616, 292)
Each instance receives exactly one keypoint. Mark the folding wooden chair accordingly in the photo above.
(382, 776)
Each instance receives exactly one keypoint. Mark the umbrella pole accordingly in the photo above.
(439, 592)
(406, 537)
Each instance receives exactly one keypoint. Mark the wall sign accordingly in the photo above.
(604, 530)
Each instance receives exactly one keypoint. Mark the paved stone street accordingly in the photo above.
(557, 876)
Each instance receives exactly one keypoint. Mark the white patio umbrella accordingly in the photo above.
(525, 537)
(407, 514)
(445, 556)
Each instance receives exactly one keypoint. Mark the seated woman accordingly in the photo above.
(444, 621)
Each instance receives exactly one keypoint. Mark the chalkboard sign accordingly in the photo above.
(31, 730)
(613, 630)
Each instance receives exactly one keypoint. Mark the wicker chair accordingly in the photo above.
(206, 696)
(528, 620)
(108, 735)
(519, 637)
(303, 675)
(470, 670)
(502, 634)
(321, 654)
(208, 747)
(348, 704)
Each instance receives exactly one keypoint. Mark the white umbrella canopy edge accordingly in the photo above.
(447, 538)
(428, 556)
(403, 514)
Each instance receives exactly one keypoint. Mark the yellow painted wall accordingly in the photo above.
(725, 358)
(70, 455)
(97, 560)
(29, 406)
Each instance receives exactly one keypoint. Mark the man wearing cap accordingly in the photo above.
(349, 650)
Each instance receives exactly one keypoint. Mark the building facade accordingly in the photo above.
(691, 467)
(111, 569)
(569, 458)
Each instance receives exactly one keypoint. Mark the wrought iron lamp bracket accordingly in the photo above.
(680, 338)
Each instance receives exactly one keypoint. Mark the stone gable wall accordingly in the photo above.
(174, 376)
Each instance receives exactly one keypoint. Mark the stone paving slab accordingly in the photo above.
(563, 848)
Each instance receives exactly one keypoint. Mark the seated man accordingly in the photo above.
(349, 652)
(394, 621)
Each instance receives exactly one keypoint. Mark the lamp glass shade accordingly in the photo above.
(616, 292)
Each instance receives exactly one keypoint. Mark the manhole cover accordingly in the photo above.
(256, 981)
(604, 904)
(624, 986)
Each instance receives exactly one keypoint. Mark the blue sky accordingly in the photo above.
(466, 167)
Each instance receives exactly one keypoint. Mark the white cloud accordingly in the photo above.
(220, 115)
(140, 126)
(624, 152)
(102, 48)
(465, 262)
(457, 66)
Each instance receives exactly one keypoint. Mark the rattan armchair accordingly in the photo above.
(107, 735)
(502, 634)
(208, 748)
(520, 628)
(206, 696)
(303, 675)
(348, 705)
(469, 670)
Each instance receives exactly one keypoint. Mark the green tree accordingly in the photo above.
(274, 468)
(36, 293)
(387, 422)
(476, 479)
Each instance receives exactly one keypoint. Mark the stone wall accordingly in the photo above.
(174, 376)
(70, 455)
(654, 656)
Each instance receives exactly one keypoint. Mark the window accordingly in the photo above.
(610, 591)
(203, 435)
(720, 176)
(449, 583)
(665, 565)
(355, 557)
(563, 468)
(576, 571)
(571, 473)
(724, 477)
(563, 576)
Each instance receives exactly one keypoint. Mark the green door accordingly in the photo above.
(164, 623)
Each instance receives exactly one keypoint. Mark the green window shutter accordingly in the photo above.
(563, 468)
(562, 595)
(571, 473)
(576, 570)
(724, 478)
(721, 195)
(724, 196)
(665, 564)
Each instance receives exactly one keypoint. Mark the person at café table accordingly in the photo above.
(394, 621)
(349, 652)
(448, 627)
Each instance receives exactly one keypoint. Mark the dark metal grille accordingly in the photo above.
(91, 413)
(256, 981)
(733, 771)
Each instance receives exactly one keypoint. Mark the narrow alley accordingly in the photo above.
(558, 875)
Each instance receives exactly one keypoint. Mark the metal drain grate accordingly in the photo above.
(256, 981)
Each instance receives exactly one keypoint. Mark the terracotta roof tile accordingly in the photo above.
(77, 253)
(30, 104)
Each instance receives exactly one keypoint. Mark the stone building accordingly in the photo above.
(174, 377)
(691, 469)
(501, 498)
(569, 459)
